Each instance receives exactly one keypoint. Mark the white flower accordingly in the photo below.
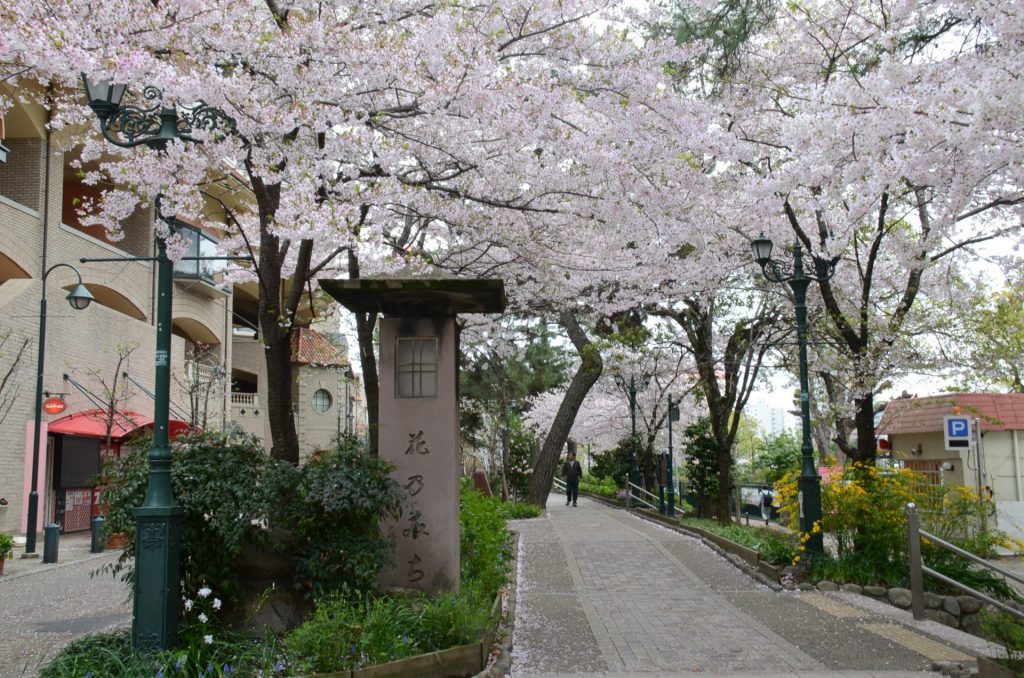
(188, 605)
(208, 639)
(216, 603)
(203, 618)
(204, 592)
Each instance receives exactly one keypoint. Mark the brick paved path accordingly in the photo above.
(43, 607)
(604, 592)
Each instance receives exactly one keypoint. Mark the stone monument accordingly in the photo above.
(419, 411)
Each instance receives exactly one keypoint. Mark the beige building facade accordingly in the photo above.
(112, 339)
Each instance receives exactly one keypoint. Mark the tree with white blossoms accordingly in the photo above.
(364, 131)
(887, 134)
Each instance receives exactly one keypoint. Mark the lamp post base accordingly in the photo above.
(157, 597)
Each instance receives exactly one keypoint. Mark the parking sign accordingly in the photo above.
(958, 432)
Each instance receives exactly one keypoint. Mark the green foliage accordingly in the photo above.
(345, 633)
(111, 655)
(701, 463)
(775, 547)
(217, 482)
(230, 491)
(517, 511)
(1009, 632)
(864, 514)
(614, 463)
(521, 443)
(333, 505)
(6, 546)
(777, 456)
(108, 654)
(484, 542)
(602, 487)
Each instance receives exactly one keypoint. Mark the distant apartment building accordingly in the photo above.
(773, 420)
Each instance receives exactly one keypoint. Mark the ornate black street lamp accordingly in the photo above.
(79, 298)
(632, 388)
(157, 534)
(809, 494)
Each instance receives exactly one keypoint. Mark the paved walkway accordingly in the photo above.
(43, 607)
(604, 592)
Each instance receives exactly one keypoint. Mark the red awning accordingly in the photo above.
(94, 423)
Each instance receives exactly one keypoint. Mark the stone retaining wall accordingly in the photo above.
(958, 612)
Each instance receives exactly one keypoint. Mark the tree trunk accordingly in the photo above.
(864, 417)
(586, 376)
(276, 335)
(365, 324)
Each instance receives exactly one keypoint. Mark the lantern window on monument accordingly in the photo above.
(416, 371)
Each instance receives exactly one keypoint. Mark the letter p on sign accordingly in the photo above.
(958, 432)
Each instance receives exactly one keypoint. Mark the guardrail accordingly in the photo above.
(630, 498)
(918, 569)
(560, 485)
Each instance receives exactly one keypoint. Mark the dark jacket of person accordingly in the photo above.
(572, 471)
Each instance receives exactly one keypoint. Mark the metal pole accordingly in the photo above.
(914, 551)
(810, 482)
(634, 469)
(157, 532)
(671, 485)
(33, 496)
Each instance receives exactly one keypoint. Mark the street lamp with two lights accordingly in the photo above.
(809, 494)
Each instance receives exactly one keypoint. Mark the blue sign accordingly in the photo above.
(958, 432)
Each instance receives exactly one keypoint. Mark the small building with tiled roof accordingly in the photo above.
(914, 427)
(324, 389)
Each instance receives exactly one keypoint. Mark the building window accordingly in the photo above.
(199, 245)
(416, 370)
(321, 400)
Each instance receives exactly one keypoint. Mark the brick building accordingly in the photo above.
(111, 340)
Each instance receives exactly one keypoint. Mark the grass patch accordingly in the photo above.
(775, 548)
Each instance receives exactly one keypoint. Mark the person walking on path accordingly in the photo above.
(765, 499)
(572, 471)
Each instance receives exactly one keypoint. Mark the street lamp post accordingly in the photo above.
(79, 298)
(157, 533)
(631, 390)
(673, 415)
(809, 494)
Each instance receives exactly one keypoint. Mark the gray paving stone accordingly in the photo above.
(648, 601)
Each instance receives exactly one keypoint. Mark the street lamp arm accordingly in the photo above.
(56, 266)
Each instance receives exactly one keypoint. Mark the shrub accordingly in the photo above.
(518, 511)
(774, 547)
(217, 480)
(107, 654)
(334, 505)
(1009, 632)
(864, 512)
(484, 542)
(602, 487)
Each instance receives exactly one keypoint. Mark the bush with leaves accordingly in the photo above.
(700, 464)
(864, 512)
(217, 478)
(776, 456)
(613, 463)
(333, 506)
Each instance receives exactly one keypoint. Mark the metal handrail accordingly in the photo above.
(630, 498)
(918, 569)
(560, 484)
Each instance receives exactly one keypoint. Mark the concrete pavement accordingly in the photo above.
(602, 592)
(43, 607)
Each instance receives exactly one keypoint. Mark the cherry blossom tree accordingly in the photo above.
(886, 134)
(364, 132)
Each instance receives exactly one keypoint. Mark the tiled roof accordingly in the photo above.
(309, 347)
(997, 411)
